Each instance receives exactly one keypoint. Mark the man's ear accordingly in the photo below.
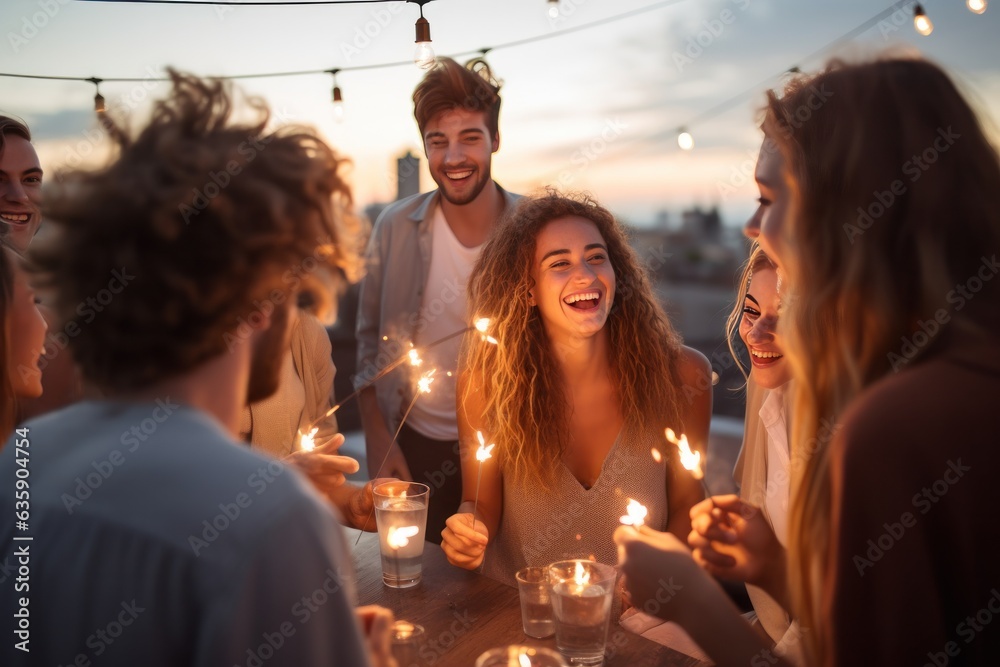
(496, 141)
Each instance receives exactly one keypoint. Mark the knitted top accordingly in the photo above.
(569, 521)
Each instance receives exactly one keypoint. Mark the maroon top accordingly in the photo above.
(915, 578)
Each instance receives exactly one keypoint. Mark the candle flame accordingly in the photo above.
(636, 514)
(307, 441)
(424, 383)
(691, 460)
(581, 576)
(657, 456)
(524, 660)
(483, 327)
(483, 452)
(400, 537)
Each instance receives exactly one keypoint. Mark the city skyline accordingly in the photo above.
(597, 109)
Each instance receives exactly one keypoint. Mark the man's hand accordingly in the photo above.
(323, 467)
(359, 509)
(376, 624)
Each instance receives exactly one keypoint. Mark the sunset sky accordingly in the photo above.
(596, 109)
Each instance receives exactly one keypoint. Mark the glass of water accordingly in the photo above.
(581, 603)
(536, 605)
(401, 518)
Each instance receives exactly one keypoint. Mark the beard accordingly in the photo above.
(269, 355)
(462, 199)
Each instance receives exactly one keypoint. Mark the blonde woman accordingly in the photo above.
(893, 196)
(587, 374)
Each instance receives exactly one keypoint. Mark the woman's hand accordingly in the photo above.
(660, 577)
(732, 540)
(463, 544)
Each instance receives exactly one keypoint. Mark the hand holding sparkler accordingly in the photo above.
(739, 545)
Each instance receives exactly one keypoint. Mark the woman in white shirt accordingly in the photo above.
(763, 467)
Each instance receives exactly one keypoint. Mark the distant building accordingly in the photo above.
(407, 176)
(704, 225)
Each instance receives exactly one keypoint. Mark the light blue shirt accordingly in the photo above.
(158, 540)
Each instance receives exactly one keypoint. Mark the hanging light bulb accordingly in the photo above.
(685, 140)
(976, 6)
(553, 9)
(99, 105)
(338, 98)
(423, 56)
(921, 22)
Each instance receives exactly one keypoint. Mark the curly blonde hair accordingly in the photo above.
(210, 222)
(525, 406)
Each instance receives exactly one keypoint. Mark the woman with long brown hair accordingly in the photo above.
(586, 374)
(889, 246)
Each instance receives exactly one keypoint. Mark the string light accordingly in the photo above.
(423, 55)
(99, 106)
(685, 140)
(553, 9)
(976, 6)
(921, 21)
(338, 98)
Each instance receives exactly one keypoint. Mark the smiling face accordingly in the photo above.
(768, 223)
(574, 282)
(758, 330)
(20, 190)
(28, 342)
(459, 151)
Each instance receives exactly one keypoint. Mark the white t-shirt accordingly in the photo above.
(772, 415)
(443, 311)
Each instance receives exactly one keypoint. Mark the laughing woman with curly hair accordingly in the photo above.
(587, 374)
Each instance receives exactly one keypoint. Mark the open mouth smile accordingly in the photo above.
(583, 300)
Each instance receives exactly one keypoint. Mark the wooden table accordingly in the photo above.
(465, 613)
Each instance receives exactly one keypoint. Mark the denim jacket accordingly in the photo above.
(397, 265)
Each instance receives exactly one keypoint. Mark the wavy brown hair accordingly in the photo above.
(860, 285)
(449, 86)
(757, 261)
(525, 405)
(216, 220)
